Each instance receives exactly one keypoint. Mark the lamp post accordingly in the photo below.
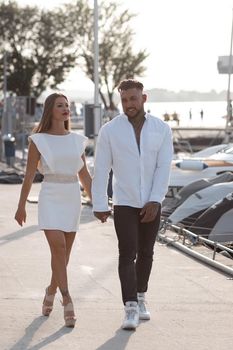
(4, 130)
(97, 110)
(7, 139)
(4, 82)
(229, 105)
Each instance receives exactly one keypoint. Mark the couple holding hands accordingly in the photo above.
(138, 148)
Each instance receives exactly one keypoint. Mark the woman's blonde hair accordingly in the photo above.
(46, 119)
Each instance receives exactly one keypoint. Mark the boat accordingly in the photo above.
(204, 164)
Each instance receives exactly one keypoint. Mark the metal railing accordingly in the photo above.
(188, 236)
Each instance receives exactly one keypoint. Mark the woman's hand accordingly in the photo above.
(20, 215)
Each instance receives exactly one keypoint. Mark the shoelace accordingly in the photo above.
(142, 305)
(130, 313)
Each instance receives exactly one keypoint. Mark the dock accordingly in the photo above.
(196, 138)
(190, 303)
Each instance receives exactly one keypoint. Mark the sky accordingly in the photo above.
(183, 38)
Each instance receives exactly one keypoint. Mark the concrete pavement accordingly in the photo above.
(191, 304)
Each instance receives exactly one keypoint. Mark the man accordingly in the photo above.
(138, 148)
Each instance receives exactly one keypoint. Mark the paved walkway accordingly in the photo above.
(191, 304)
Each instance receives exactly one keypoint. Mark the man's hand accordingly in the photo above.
(149, 211)
(102, 215)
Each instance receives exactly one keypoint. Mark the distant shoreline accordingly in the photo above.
(154, 95)
(162, 95)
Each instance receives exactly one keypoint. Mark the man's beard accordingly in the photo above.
(136, 114)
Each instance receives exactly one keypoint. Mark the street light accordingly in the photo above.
(5, 125)
(7, 118)
(7, 139)
(225, 66)
(97, 110)
(229, 106)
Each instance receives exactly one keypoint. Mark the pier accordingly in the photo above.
(190, 302)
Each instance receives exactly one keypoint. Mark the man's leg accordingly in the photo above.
(146, 240)
(126, 225)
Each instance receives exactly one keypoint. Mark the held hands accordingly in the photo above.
(102, 215)
(149, 211)
(20, 216)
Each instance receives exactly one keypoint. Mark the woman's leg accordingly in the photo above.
(69, 238)
(60, 247)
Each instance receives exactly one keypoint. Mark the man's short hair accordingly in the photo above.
(130, 84)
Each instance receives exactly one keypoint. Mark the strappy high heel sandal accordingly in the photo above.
(47, 306)
(69, 315)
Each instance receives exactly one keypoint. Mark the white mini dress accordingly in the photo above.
(59, 203)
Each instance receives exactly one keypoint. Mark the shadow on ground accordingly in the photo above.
(118, 341)
(30, 331)
(18, 234)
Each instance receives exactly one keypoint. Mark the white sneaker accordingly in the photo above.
(131, 319)
(144, 314)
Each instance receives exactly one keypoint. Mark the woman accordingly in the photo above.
(59, 156)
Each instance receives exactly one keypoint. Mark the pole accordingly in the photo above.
(7, 140)
(229, 105)
(7, 113)
(97, 116)
(4, 130)
(4, 82)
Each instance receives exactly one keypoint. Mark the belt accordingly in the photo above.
(60, 178)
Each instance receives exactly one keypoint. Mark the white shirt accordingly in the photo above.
(138, 176)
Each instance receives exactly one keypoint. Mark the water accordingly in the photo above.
(213, 112)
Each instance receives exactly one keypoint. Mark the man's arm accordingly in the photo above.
(163, 168)
(102, 167)
(160, 180)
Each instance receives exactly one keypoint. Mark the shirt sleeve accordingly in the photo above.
(102, 167)
(163, 168)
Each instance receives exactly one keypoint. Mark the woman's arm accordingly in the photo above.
(85, 178)
(32, 163)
